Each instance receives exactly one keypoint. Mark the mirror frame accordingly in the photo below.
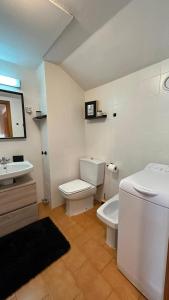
(23, 113)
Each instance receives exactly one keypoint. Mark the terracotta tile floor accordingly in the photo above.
(88, 271)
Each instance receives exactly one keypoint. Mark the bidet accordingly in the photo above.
(108, 214)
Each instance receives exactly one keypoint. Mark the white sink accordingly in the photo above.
(14, 169)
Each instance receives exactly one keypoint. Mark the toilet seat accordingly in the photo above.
(79, 193)
(75, 186)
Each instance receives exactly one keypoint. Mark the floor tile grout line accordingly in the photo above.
(98, 273)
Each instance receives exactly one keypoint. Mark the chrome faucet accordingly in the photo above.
(4, 160)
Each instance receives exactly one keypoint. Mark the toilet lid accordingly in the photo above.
(75, 186)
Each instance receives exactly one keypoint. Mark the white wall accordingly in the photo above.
(140, 132)
(43, 126)
(31, 147)
(65, 127)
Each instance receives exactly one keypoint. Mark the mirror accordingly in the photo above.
(12, 116)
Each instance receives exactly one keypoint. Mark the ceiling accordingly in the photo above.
(28, 29)
(105, 40)
(134, 38)
(89, 16)
(33, 30)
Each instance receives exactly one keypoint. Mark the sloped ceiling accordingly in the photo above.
(134, 38)
(89, 16)
(28, 28)
(105, 40)
(31, 30)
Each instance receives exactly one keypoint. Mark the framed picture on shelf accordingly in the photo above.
(90, 109)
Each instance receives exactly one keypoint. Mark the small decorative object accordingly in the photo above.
(166, 84)
(90, 110)
(17, 158)
(38, 113)
(99, 113)
(28, 110)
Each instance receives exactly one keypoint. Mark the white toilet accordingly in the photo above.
(79, 193)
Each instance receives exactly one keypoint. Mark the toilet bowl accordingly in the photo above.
(108, 214)
(79, 193)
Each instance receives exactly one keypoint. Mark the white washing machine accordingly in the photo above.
(143, 229)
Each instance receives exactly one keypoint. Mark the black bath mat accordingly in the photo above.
(26, 252)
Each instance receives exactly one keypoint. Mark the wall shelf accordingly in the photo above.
(40, 117)
(97, 117)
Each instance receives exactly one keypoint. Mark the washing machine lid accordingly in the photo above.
(151, 184)
(75, 186)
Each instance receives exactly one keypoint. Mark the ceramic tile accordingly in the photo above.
(111, 251)
(80, 296)
(65, 288)
(122, 294)
(87, 272)
(12, 297)
(35, 289)
(84, 220)
(60, 282)
(82, 238)
(44, 210)
(95, 233)
(58, 211)
(63, 221)
(85, 276)
(115, 296)
(74, 259)
(47, 297)
(113, 275)
(96, 254)
(73, 231)
(92, 283)
(121, 286)
(142, 298)
(99, 289)
(55, 269)
(125, 293)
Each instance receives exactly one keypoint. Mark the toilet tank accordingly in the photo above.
(92, 171)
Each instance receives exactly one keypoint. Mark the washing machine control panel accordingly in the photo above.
(158, 167)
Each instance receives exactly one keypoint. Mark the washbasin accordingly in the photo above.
(15, 169)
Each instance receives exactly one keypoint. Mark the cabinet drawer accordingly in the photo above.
(18, 219)
(18, 197)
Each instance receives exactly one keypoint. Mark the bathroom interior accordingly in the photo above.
(84, 150)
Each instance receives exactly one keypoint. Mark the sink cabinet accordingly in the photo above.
(18, 205)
